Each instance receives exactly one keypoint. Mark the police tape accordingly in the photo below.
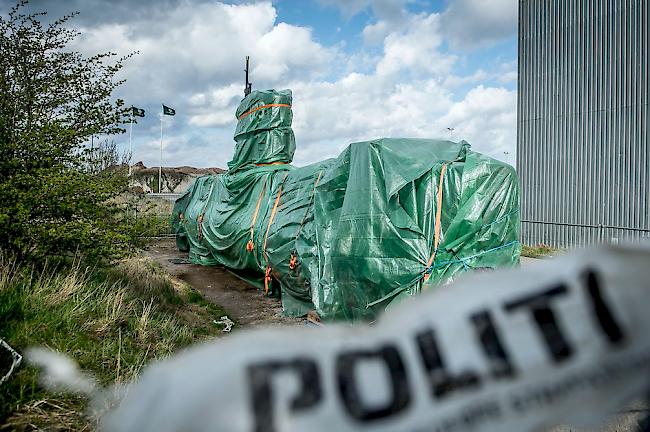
(562, 341)
(16, 359)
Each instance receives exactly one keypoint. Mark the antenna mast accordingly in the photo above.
(247, 88)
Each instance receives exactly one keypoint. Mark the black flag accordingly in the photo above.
(168, 111)
(137, 112)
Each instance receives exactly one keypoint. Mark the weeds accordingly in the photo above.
(539, 251)
(111, 322)
(151, 225)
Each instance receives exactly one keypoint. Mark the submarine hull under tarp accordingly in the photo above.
(347, 237)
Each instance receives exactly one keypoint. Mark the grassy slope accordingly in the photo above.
(111, 322)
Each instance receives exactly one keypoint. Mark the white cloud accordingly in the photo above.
(391, 15)
(508, 77)
(194, 47)
(486, 118)
(477, 23)
(192, 55)
(375, 33)
(416, 49)
(286, 48)
(390, 10)
(328, 116)
(455, 81)
(349, 8)
(507, 72)
(216, 107)
(360, 107)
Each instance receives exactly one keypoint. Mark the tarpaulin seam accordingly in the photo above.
(484, 227)
(428, 270)
(436, 229)
(251, 244)
(394, 292)
(199, 219)
(273, 212)
(267, 273)
(311, 200)
(293, 260)
(499, 219)
(263, 107)
(461, 260)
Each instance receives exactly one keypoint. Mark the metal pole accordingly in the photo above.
(248, 85)
(130, 146)
(160, 167)
(92, 152)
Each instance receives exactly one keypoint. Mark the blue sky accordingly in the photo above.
(359, 69)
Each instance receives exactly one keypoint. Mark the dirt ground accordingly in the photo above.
(242, 302)
(249, 308)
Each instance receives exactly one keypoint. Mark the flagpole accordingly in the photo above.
(130, 146)
(160, 167)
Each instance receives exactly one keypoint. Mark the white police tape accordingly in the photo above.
(16, 359)
(563, 341)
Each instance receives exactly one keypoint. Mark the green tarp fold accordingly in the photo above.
(349, 236)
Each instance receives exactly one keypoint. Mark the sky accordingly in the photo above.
(358, 69)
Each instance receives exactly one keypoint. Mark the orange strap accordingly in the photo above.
(271, 163)
(316, 184)
(275, 208)
(251, 245)
(199, 223)
(267, 280)
(199, 218)
(293, 262)
(262, 107)
(436, 229)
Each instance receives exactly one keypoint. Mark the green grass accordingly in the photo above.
(111, 322)
(145, 216)
(539, 251)
(151, 225)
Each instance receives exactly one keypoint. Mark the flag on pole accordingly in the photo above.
(137, 112)
(168, 111)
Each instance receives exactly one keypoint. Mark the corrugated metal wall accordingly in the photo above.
(582, 135)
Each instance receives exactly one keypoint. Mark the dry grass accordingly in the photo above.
(112, 322)
(539, 251)
(56, 414)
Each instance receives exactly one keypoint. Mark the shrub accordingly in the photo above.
(53, 200)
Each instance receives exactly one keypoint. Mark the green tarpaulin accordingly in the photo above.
(348, 236)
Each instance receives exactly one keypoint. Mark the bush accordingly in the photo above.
(53, 200)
